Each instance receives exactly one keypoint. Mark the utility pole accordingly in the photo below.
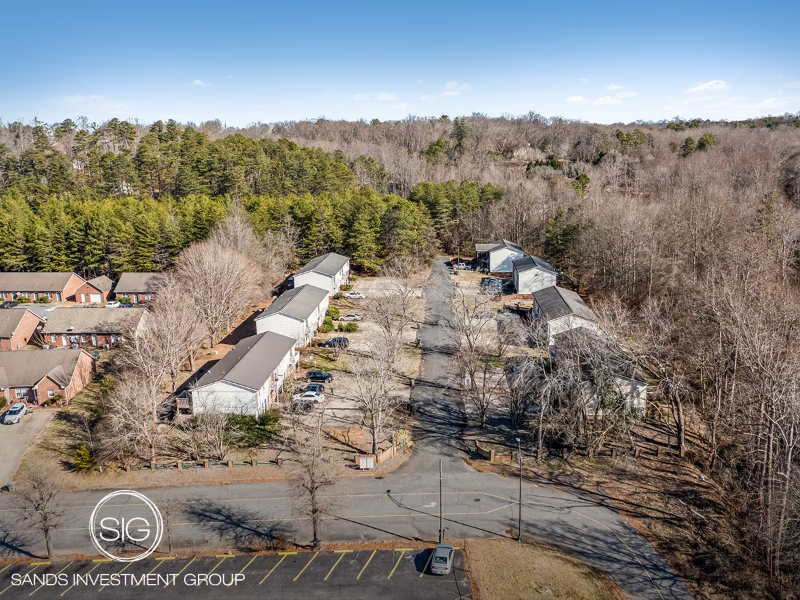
(441, 528)
(519, 523)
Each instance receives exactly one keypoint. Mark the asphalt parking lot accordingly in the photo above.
(15, 439)
(351, 574)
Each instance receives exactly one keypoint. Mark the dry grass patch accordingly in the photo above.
(503, 569)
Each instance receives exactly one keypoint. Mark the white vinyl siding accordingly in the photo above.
(567, 323)
(316, 279)
(500, 260)
(230, 398)
(288, 326)
(533, 280)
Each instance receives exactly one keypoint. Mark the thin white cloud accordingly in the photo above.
(625, 94)
(401, 105)
(427, 98)
(583, 80)
(667, 108)
(776, 102)
(228, 76)
(385, 97)
(200, 82)
(451, 88)
(606, 101)
(577, 100)
(612, 87)
(710, 87)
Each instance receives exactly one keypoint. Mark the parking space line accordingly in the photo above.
(430, 558)
(402, 552)
(73, 585)
(341, 556)
(365, 566)
(6, 567)
(41, 586)
(101, 560)
(243, 568)
(181, 571)
(12, 585)
(285, 554)
(304, 568)
(164, 558)
(221, 560)
(122, 570)
(39, 564)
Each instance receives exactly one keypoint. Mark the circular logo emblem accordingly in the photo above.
(133, 522)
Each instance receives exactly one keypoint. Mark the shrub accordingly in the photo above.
(123, 299)
(256, 431)
(333, 313)
(353, 278)
(350, 327)
(23, 299)
(2, 403)
(83, 458)
(43, 300)
(327, 325)
(347, 287)
(338, 296)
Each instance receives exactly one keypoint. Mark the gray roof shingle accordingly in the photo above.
(130, 283)
(496, 245)
(10, 318)
(250, 362)
(298, 302)
(102, 283)
(555, 302)
(92, 320)
(34, 282)
(526, 263)
(327, 264)
(26, 368)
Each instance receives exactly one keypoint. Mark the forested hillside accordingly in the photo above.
(686, 233)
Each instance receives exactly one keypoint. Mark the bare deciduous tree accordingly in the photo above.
(40, 504)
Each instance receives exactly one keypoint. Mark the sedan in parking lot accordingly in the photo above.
(319, 376)
(351, 317)
(337, 342)
(14, 414)
(442, 562)
(314, 387)
(310, 396)
(112, 304)
(354, 295)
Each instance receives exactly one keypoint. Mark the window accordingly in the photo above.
(21, 393)
(83, 338)
(53, 339)
(51, 394)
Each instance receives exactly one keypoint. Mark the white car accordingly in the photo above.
(309, 396)
(351, 317)
(15, 413)
(354, 295)
(112, 304)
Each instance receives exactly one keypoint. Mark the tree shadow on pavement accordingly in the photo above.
(239, 528)
(14, 544)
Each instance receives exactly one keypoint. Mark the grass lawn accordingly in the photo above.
(504, 569)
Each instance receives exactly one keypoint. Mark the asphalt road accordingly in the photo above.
(402, 505)
(347, 574)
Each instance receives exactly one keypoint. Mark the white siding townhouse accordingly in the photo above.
(563, 310)
(247, 379)
(328, 271)
(297, 313)
(531, 274)
(498, 255)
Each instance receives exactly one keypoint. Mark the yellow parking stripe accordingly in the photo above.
(304, 568)
(365, 566)
(430, 558)
(181, 571)
(276, 566)
(101, 560)
(122, 570)
(342, 553)
(243, 568)
(221, 560)
(402, 552)
(73, 585)
(41, 586)
(6, 567)
(164, 558)
(12, 585)
(39, 564)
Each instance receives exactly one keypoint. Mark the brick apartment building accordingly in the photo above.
(17, 327)
(57, 287)
(94, 290)
(90, 327)
(137, 287)
(35, 376)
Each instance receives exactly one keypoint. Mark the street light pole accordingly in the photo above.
(519, 525)
(441, 528)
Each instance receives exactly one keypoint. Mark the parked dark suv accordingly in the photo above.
(9, 304)
(337, 342)
(319, 376)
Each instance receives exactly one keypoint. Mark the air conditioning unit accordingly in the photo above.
(106, 346)
(46, 347)
(75, 346)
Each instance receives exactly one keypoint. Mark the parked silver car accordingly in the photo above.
(14, 414)
(442, 562)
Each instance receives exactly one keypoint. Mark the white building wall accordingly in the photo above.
(288, 326)
(567, 323)
(228, 398)
(500, 260)
(316, 279)
(533, 280)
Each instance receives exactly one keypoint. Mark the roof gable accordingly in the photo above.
(328, 264)
(130, 283)
(497, 245)
(93, 320)
(101, 284)
(555, 302)
(10, 319)
(528, 263)
(299, 303)
(35, 282)
(26, 368)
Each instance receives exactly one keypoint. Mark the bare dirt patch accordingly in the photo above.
(508, 570)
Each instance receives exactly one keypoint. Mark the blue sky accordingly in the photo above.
(243, 62)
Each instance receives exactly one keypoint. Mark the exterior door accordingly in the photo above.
(94, 339)
(58, 296)
(63, 340)
(83, 297)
